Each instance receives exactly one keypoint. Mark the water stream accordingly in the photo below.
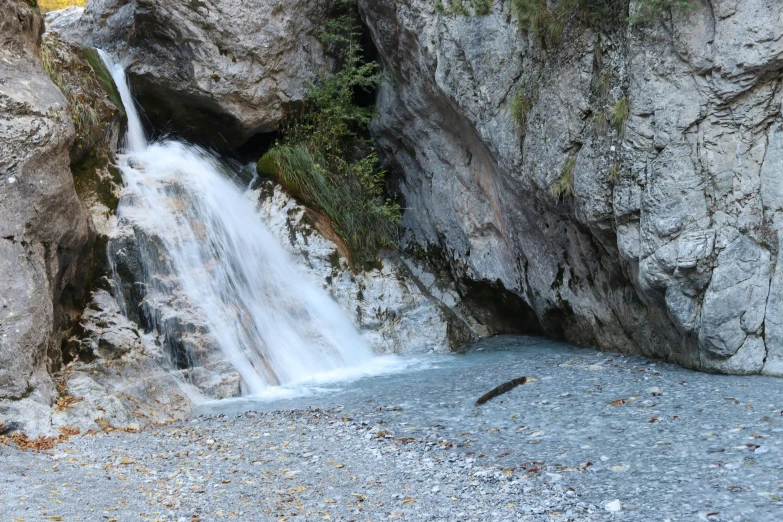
(270, 322)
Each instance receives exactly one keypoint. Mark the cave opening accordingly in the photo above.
(256, 146)
(502, 311)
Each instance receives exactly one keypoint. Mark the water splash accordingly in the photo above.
(269, 321)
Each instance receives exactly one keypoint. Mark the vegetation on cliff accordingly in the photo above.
(55, 5)
(325, 158)
(93, 100)
(548, 19)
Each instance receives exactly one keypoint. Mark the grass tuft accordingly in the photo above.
(355, 206)
(620, 112)
(564, 184)
(326, 159)
(521, 106)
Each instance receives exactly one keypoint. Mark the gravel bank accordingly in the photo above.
(313, 465)
(592, 436)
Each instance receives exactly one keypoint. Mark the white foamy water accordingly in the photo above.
(274, 326)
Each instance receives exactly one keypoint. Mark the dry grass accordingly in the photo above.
(55, 5)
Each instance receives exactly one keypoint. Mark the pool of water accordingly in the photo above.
(669, 443)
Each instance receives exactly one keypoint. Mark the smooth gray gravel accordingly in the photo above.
(593, 436)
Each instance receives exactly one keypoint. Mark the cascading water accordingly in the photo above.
(271, 323)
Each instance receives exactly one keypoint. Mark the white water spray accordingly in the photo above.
(269, 321)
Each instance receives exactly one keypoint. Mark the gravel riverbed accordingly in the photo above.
(592, 436)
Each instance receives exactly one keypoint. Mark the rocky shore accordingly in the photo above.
(591, 436)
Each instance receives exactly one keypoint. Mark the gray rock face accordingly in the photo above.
(45, 239)
(119, 378)
(392, 306)
(152, 297)
(217, 70)
(635, 201)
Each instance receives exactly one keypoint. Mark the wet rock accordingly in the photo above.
(117, 378)
(395, 312)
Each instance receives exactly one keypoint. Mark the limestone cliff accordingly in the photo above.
(212, 70)
(45, 238)
(617, 186)
(624, 182)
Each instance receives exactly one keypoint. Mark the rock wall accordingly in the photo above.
(45, 238)
(624, 183)
(618, 188)
(394, 311)
(214, 71)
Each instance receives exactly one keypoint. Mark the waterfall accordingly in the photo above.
(269, 321)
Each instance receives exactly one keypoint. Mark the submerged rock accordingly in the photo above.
(623, 182)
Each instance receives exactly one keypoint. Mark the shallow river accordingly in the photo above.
(667, 442)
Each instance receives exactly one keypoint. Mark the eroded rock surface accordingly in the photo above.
(218, 71)
(95, 107)
(119, 378)
(394, 310)
(634, 199)
(45, 238)
(152, 297)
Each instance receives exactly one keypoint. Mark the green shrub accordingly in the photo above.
(325, 158)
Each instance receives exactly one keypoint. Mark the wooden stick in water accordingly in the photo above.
(500, 390)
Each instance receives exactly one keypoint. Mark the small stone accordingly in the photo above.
(614, 506)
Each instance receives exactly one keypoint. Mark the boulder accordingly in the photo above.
(216, 71)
